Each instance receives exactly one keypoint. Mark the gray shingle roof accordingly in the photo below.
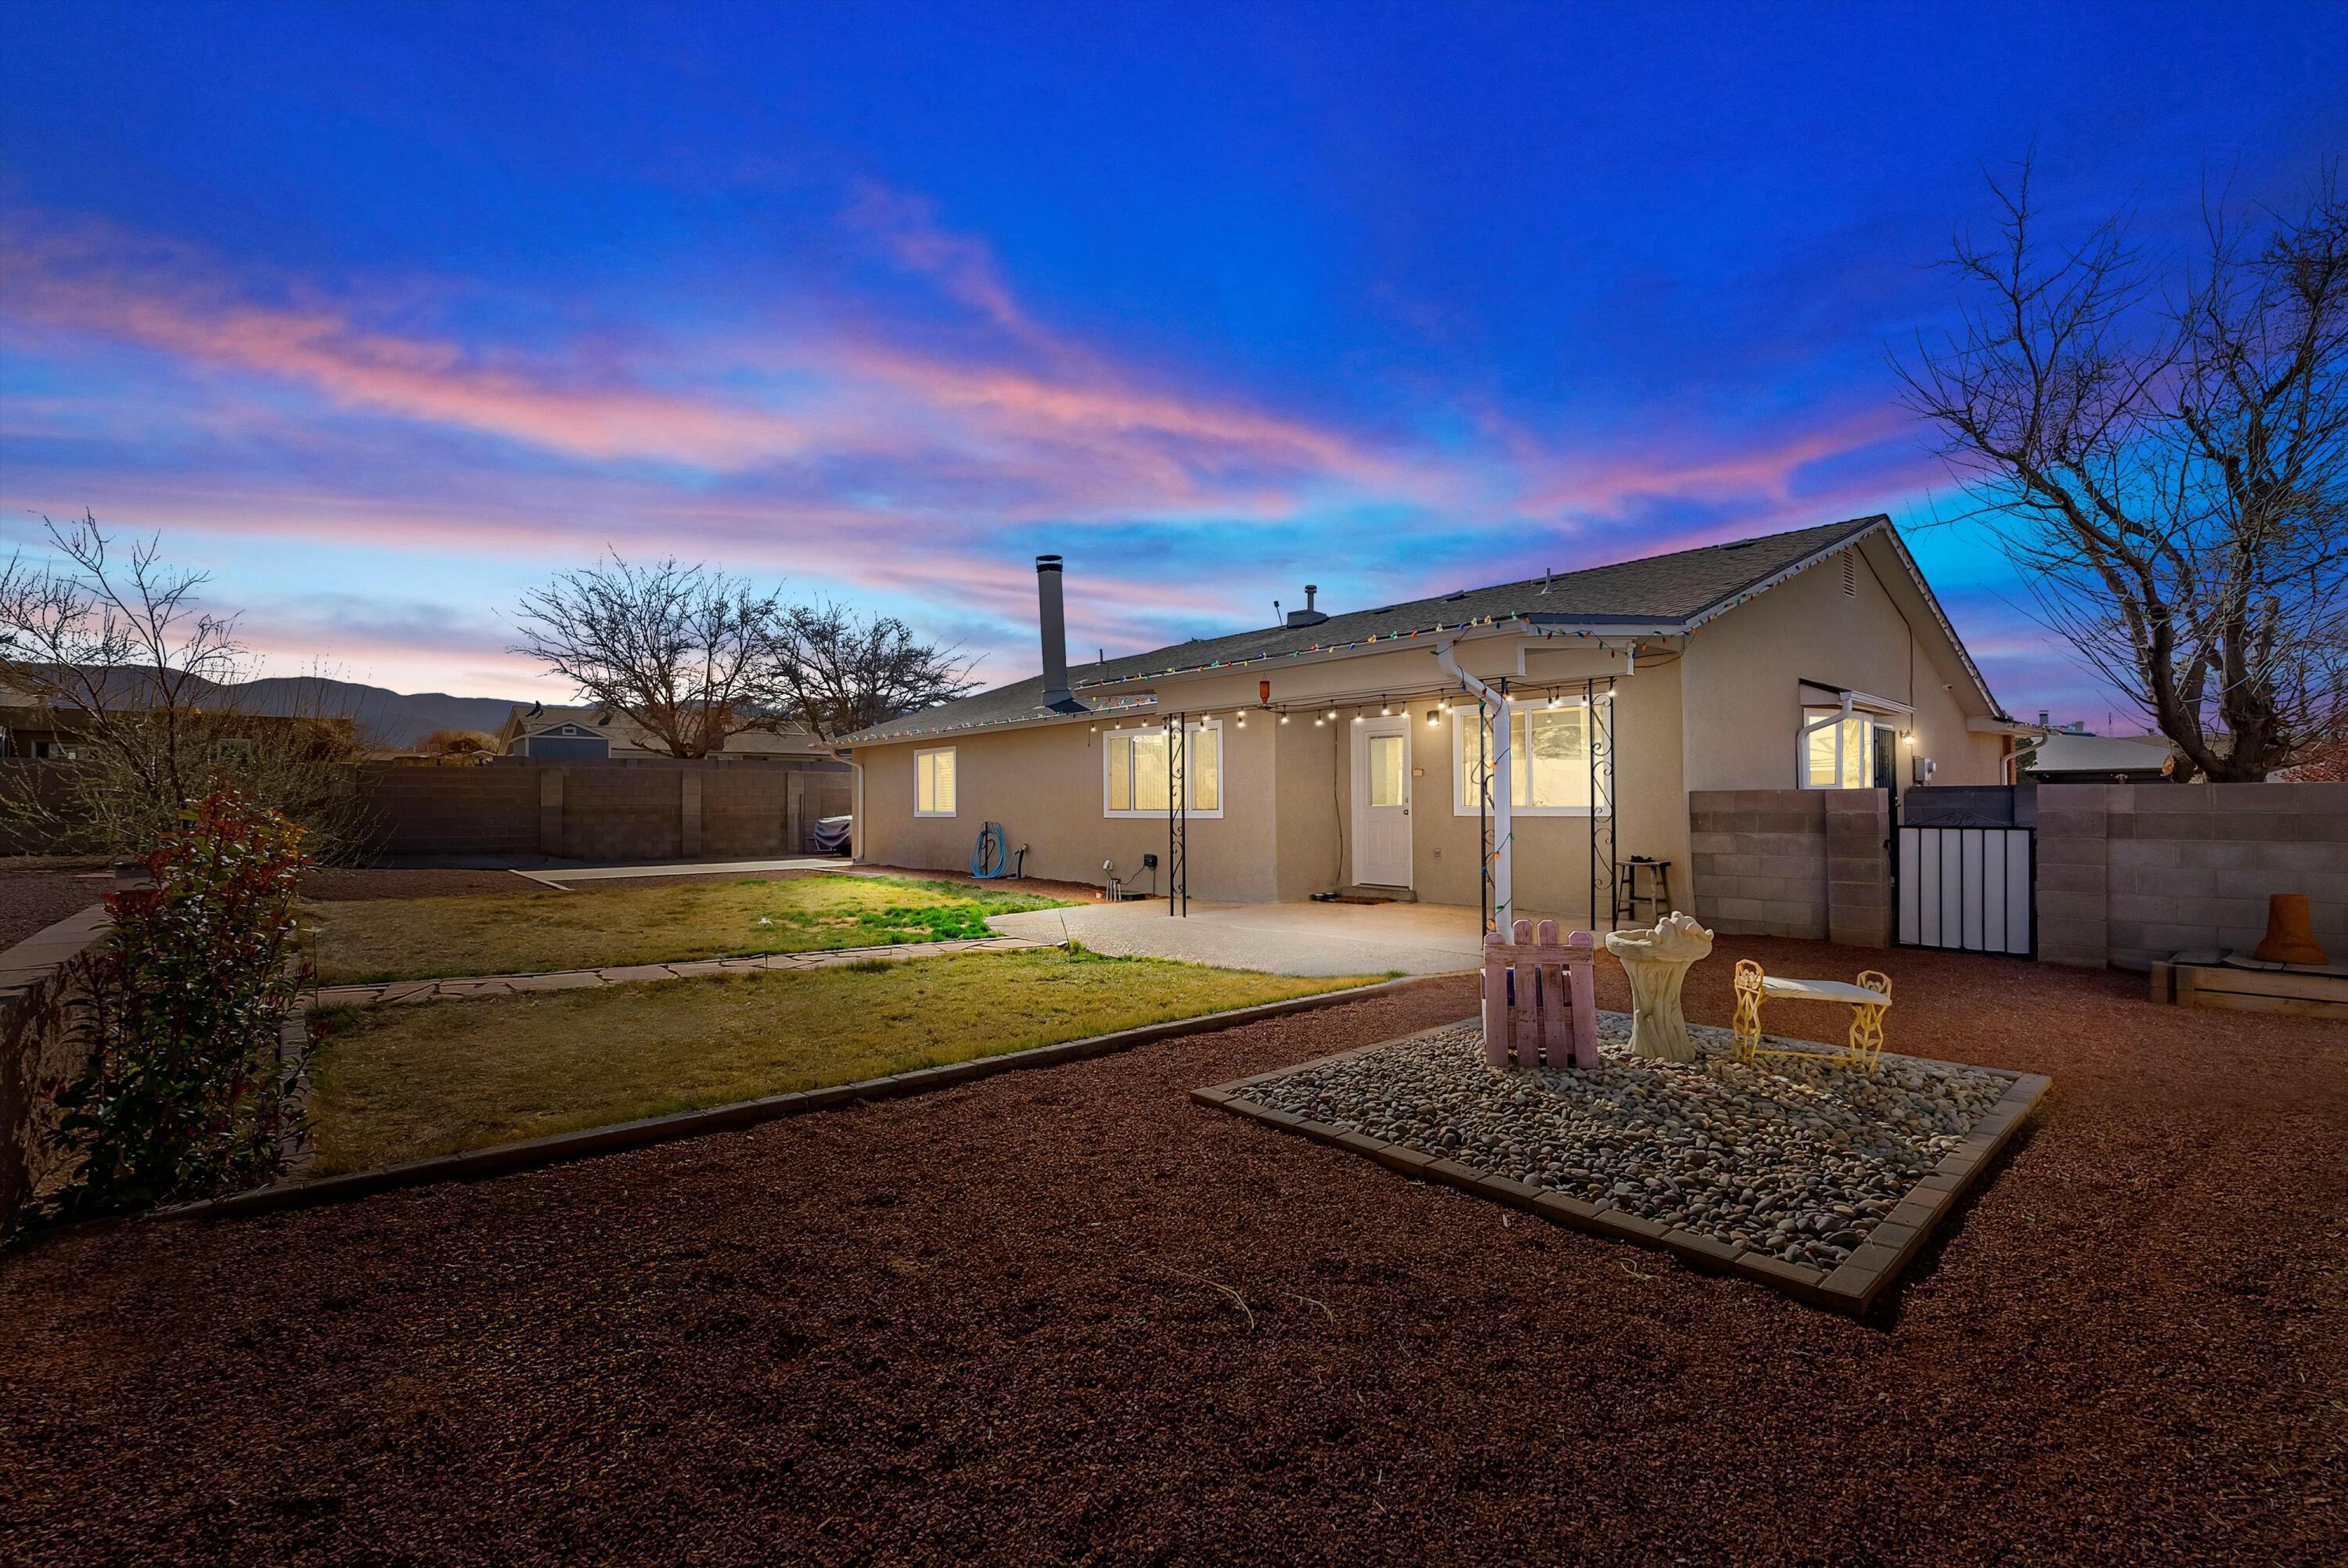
(1676, 588)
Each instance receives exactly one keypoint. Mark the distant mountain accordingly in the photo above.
(384, 717)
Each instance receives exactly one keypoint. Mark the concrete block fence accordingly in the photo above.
(1808, 863)
(577, 809)
(2129, 875)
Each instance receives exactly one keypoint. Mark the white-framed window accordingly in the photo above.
(1136, 779)
(933, 783)
(1843, 753)
(1549, 757)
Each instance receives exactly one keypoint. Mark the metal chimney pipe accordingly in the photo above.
(1052, 619)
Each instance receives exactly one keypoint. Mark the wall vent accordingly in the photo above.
(1849, 576)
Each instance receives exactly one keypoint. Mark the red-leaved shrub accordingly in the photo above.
(190, 1085)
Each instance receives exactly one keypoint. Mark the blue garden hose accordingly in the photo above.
(991, 857)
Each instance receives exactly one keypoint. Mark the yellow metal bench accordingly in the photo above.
(1869, 1000)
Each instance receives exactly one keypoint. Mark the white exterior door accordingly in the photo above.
(1382, 803)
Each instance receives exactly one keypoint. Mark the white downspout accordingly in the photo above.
(856, 806)
(1504, 882)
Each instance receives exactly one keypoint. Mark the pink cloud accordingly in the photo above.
(1078, 431)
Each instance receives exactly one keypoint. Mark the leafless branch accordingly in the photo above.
(2165, 459)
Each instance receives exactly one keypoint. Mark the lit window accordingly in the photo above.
(1839, 753)
(933, 783)
(1387, 755)
(1549, 763)
(1136, 777)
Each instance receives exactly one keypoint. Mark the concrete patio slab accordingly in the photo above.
(1282, 938)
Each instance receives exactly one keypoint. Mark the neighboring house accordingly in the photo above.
(538, 731)
(2068, 756)
(1337, 750)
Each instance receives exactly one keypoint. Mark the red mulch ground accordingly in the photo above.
(986, 1327)
(345, 882)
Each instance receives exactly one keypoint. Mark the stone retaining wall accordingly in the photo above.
(1808, 863)
(2130, 874)
(37, 1054)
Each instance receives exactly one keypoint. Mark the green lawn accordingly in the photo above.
(400, 1082)
(537, 929)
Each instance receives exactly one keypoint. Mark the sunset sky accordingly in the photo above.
(382, 313)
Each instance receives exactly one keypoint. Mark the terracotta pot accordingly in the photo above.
(2291, 932)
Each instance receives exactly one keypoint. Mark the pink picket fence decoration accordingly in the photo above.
(1552, 1012)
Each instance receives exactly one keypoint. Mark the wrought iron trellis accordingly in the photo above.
(1598, 745)
(1178, 814)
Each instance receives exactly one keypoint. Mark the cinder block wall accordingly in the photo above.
(632, 809)
(626, 813)
(450, 811)
(1793, 862)
(2130, 874)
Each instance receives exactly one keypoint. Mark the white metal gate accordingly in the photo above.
(1968, 889)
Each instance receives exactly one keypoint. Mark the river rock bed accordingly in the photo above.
(1795, 1160)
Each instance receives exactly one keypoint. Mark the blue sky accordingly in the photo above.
(381, 313)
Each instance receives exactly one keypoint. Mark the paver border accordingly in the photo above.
(1851, 1287)
(559, 1148)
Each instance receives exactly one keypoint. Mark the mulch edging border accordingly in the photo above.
(532, 1154)
(1851, 1287)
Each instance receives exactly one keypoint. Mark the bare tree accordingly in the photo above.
(683, 651)
(2164, 457)
(847, 673)
(116, 653)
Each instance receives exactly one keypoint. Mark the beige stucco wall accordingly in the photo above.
(1742, 670)
(1044, 785)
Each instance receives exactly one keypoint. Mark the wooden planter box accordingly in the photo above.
(2208, 979)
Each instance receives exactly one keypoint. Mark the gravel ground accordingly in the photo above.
(1068, 1317)
(1793, 1159)
(41, 890)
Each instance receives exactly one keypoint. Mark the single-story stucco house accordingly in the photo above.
(1344, 749)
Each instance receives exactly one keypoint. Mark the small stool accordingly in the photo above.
(1658, 896)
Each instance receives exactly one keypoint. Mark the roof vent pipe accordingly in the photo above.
(1308, 616)
(1052, 621)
